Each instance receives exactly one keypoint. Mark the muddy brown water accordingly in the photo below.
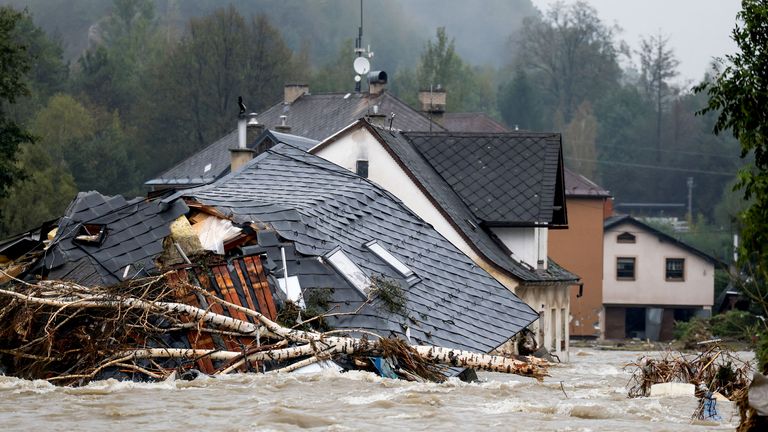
(592, 397)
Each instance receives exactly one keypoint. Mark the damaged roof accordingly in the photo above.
(321, 208)
(322, 115)
(133, 235)
(510, 178)
(213, 161)
(447, 199)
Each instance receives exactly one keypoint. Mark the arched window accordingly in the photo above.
(625, 238)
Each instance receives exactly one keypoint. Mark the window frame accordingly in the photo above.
(626, 240)
(634, 268)
(666, 269)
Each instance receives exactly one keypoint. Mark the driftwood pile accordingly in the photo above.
(717, 368)
(70, 334)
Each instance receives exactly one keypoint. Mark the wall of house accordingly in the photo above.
(580, 249)
(650, 286)
(552, 302)
(529, 244)
(384, 170)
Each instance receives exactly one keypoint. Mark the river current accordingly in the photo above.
(587, 394)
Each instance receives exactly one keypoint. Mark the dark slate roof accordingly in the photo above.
(320, 206)
(134, 235)
(322, 115)
(192, 170)
(614, 221)
(576, 185)
(456, 210)
(504, 178)
(472, 122)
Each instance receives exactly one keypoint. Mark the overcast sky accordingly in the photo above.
(698, 30)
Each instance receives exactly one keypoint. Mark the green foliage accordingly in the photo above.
(519, 102)
(14, 64)
(689, 333)
(43, 195)
(739, 97)
(736, 325)
(390, 294)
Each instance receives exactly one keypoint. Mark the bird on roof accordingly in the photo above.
(241, 105)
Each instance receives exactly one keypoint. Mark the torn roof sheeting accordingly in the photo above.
(320, 207)
(133, 235)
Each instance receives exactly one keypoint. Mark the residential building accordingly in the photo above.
(580, 249)
(651, 280)
(493, 195)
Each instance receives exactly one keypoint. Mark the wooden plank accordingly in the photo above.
(255, 277)
(246, 284)
(232, 292)
(265, 291)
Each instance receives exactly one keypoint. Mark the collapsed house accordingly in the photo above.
(288, 237)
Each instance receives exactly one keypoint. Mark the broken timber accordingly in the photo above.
(120, 326)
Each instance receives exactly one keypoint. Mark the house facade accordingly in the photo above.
(580, 250)
(502, 228)
(651, 280)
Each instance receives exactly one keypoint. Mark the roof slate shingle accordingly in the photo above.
(506, 177)
(320, 206)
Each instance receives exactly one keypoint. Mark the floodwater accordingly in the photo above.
(592, 397)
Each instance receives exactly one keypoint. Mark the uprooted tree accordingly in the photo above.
(70, 334)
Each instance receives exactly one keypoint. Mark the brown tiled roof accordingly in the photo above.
(576, 185)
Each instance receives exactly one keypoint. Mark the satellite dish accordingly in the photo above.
(362, 65)
(357, 78)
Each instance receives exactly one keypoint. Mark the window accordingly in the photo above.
(362, 168)
(390, 259)
(625, 238)
(675, 269)
(625, 268)
(351, 272)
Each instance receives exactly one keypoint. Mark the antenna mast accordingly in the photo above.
(359, 44)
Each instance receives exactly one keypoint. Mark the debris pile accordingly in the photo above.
(714, 371)
(148, 328)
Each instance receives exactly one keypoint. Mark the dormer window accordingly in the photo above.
(625, 238)
(390, 259)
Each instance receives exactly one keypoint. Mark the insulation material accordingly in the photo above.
(214, 232)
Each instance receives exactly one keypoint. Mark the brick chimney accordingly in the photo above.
(291, 92)
(432, 103)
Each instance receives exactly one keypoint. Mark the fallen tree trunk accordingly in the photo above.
(133, 311)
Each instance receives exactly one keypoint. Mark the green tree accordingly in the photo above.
(579, 141)
(657, 65)
(572, 55)
(191, 97)
(14, 63)
(519, 103)
(739, 95)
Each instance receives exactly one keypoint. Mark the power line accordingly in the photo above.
(663, 168)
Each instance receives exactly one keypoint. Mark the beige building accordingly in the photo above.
(651, 280)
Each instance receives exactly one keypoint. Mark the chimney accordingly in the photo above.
(376, 117)
(377, 82)
(253, 129)
(433, 103)
(291, 92)
(247, 128)
(283, 126)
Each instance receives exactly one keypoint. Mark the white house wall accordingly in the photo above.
(384, 170)
(529, 244)
(650, 286)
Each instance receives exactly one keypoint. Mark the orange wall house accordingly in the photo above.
(580, 249)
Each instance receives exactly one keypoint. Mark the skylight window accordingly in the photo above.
(351, 272)
(390, 259)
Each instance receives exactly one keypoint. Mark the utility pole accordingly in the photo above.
(690, 199)
(359, 44)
